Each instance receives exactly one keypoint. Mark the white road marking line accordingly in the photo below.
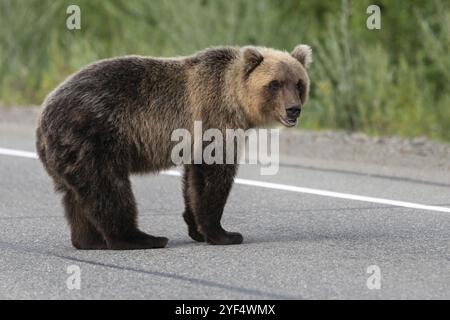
(340, 195)
(18, 153)
(284, 187)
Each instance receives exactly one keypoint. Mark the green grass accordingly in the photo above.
(387, 82)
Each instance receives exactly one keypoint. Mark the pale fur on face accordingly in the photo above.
(263, 106)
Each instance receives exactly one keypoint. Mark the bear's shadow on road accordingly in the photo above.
(297, 238)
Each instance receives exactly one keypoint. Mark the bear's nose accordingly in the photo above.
(293, 111)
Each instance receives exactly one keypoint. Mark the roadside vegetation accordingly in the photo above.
(392, 81)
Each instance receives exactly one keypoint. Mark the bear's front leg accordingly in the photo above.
(192, 189)
(217, 181)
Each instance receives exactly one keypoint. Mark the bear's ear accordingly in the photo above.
(303, 53)
(252, 59)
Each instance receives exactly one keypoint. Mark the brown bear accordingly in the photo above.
(115, 117)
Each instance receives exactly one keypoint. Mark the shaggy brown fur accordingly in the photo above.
(115, 117)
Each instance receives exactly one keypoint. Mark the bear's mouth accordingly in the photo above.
(288, 122)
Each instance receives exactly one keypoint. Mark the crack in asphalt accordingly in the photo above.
(372, 175)
(166, 275)
(152, 212)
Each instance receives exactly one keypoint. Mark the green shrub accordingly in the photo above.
(388, 81)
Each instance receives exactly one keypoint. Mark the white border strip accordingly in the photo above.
(277, 186)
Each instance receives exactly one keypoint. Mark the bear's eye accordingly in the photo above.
(301, 86)
(274, 85)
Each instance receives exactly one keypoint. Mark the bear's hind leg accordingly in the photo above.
(217, 183)
(192, 188)
(83, 233)
(110, 206)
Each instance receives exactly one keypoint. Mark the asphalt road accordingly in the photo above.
(296, 245)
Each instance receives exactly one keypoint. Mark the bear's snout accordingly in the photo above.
(293, 112)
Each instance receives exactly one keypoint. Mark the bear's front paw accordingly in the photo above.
(195, 235)
(224, 238)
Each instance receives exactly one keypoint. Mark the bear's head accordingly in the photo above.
(275, 84)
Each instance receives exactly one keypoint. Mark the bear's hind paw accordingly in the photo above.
(141, 241)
